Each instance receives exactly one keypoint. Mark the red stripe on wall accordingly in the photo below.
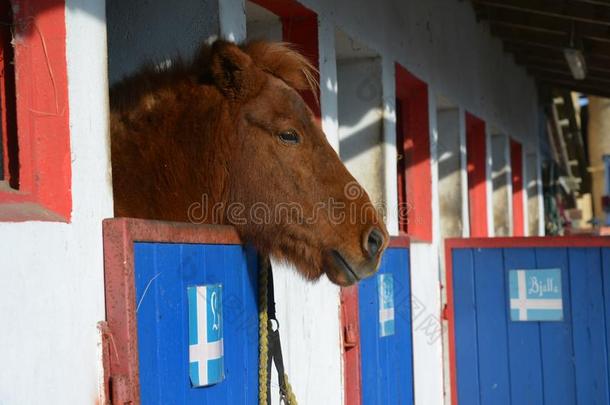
(476, 151)
(516, 164)
(413, 167)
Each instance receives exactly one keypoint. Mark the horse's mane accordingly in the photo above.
(279, 59)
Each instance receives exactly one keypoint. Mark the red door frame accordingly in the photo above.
(476, 152)
(414, 173)
(486, 243)
(352, 356)
(299, 27)
(350, 321)
(43, 132)
(516, 164)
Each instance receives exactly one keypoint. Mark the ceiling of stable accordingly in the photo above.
(536, 32)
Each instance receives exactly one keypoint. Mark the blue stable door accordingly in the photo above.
(532, 358)
(164, 272)
(385, 332)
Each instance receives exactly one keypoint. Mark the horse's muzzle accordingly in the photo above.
(347, 271)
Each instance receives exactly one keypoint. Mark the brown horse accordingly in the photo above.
(226, 138)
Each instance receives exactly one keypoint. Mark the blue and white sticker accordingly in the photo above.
(385, 287)
(535, 295)
(206, 353)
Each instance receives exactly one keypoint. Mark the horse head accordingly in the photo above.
(269, 164)
(302, 204)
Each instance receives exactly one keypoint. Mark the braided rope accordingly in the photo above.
(263, 346)
(291, 399)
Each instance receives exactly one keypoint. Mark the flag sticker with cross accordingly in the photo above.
(206, 356)
(385, 289)
(535, 295)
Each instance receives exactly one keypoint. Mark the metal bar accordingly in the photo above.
(577, 13)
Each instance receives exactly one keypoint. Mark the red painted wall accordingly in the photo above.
(413, 167)
(44, 190)
(516, 164)
(8, 107)
(476, 151)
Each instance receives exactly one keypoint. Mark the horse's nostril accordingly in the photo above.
(374, 242)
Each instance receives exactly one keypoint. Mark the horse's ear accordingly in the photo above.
(233, 71)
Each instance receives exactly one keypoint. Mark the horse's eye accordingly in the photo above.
(289, 137)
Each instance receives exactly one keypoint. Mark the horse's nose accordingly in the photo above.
(373, 242)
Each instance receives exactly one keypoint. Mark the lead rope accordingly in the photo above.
(265, 326)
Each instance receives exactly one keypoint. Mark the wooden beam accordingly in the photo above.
(561, 30)
(534, 49)
(596, 2)
(525, 27)
(559, 38)
(591, 86)
(522, 45)
(523, 54)
(565, 73)
(546, 51)
(554, 40)
(523, 17)
(584, 12)
(533, 60)
(569, 85)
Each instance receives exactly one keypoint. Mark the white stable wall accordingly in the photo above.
(51, 283)
(51, 274)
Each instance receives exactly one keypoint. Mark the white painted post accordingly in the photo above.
(328, 80)
(488, 183)
(509, 185)
(541, 227)
(464, 172)
(330, 125)
(524, 194)
(389, 145)
(426, 294)
(432, 113)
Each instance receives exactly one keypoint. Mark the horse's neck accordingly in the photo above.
(208, 186)
(178, 175)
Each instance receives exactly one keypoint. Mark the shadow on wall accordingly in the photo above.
(449, 170)
(139, 31)
(360, 106)
(155, 31)
(360, 113)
